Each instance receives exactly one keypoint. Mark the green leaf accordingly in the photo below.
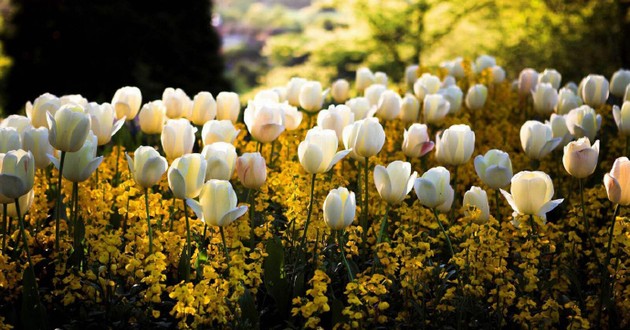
(249, 313)
(33, 312)
(276, 281)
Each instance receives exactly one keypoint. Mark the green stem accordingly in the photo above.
(188, 248)
(448, 239)
(454, 194)
(225, 249)
(383, 225)
(308, 216)
(75, 218)
(364, 222)
(343, 254)
(170, 227)
(58, 207)
(497, 198)
(5, 230)
(585, 218)
(150, 231)
(532, 223)
(259, 147)
(252, 221)
(117, 174)
(24, 240)
(605, 275)
(627, 145)
(273, 147)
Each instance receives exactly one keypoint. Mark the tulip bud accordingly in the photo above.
(35, 140)
(267, 95)
(68, 128)
(220, 160)
(79, 165)
(409, 109)
(531, 193)
(177, 103)
(20, 123)
(550, 76)
(292, 116)
(433, 188)
(448, 81)
(537, 139)
(416, 141)
(455, 68)
(264, 120)
(340, 90)
(527, 80)
(594, 90)
(619, 81)
(453, 94)
(147, 166)
(545, 98)
(494, 168)
(583, 121)
(9, 139)
(364, 78)
(484, 61)
(455, 146)
(217, 204)
(559, 129)
(293, 90)
(580, 159)
(251, 169)
(228, 106)
(74, 99)
(373, 93)
(498, 74)
(204, 108)
(152, 117)
(187, 175)
(411, 75)
(476, 97)
(567, 101)
(365, 137)
(318, 152)
(395, 181)
(127, 101)
(435, 108)
(335, 118)
(311, 96)
(17, 175)
(178, 138)
(37, 110)
(388, 106)
(218, 131)
(425, 85)
(281, 91)
(622, 118)
(26, 201)
(477, 198)
(104, 125)
(339, 208)
(360, 106)
(617, 182)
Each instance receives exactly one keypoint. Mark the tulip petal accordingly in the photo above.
(12, 186)
(382, 181)
(547, 207)
(130, 164)
(53, 160)
(118, 124)
(177, 182)
(232, 215)
(196, 207)
(338, 156)
(333, 210)
(612, 188)
(310, 156)
(510, 200)
(426, 193)
(91, 167)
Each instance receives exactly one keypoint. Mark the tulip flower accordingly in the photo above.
(335, 118)
(545, 98)
(531, 193)
(186, 175)
(361, 107)
(25, 201)
(416, 141)
(409, 109)
(477, 198)
(35, 140)
(455, 145)
(476, 97)
(527, 80)
(147, 166)
(204, 108)
(177, 103)
(312, 97)
(82, 163)
(559, 129)
(388, 106)
(37, 111)
(433, 188)
(617, 182)
(580, 159)
(178, 138)
(373, 93)
(104, 123)
(251, 169)
(220, 159)
(425, 85)
(20, 123)
(435, 108)
(380, 78)
(9, 139)
(365, 137)
(594, 90)
(77, 99)
(152, 117)
(292, 116)
(17, 175)
(550, 76)
(455, 67)
(583, 121)
(293, 90)
(340, 90)
(364, 78)
(69, 128)
(339, 211)
(411, 75)
(567, 101)
(494, 168)
(267, 95)
(127, 101)
(537, 139)
(619, 81)
(228, 106)
(264, 120)
(318, 152)
(483, 62)
(395, 181)
(218, 131)
(453, 94)
(622, 118)
(498, 74)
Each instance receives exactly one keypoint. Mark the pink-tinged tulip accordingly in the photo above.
(580, 159)
(177, 103)
(395, 181)
(69, 127)
(218, 131)
(217, 204)
(339, 208)
(37, 110)
(228, 106)
(527, 81)
(617, 182)
(318, 152)
(531, 194)
(127, 101)
(416, 142)
(204, 108)
(178, 138)
(147, 166)
(251, 169)
(152, 117)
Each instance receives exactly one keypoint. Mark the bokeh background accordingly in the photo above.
(93, 47)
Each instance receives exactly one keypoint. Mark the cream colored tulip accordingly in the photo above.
(619, 81)
(37, 110)
(69, 127)
(594, 90)
(494, 168)
(147, 166)
(9, 139)
(550, 76)
(622, 118)
(218, 131)
(416, 142)
(251, 169)
(217, 204)
(580, 158)
(291, 115)
(312, 97)
(340, 90)
(537, 139)
(127, 101)
(527, 81)
(36, 141)
(293, 90)
(228, 106)
(380, 78)
(20, 123)
(435, 108)
(559, 129)
(339, 208)
(425, 85)
(455, 145)
(318, 152)
(361, 107)
(567, 101)
(264, 120)
(433, 189)
(152, 117)
(204, 108)
(498, 74)
(178, 138)
(411, 75)
(187, 175)
(476, 97)
(395, 181)
(617, 182)
(73, 99)
(583, 121)
(389, 105)
(531, 194)
(364, 78)
(104, 123)
(483, 62)
(79, 165)
(17, 175)
(454, 95)
(220, 160)
(409, 109)
(365, 137)
(336, 117)
(545, 98)
(178, 104)
(477, 198)
(26, 201)
(373, 93)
